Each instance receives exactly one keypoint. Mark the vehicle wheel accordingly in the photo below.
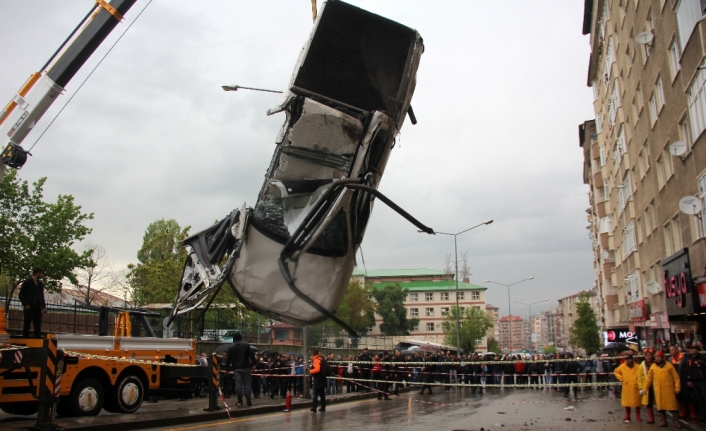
(129, 393)
(201, 389)
(87, 398)
(22, 408)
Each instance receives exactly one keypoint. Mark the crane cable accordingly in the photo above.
(90, 74)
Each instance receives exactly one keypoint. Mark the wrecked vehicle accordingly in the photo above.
(291, 256)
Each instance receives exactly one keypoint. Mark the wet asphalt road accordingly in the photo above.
(513, 409)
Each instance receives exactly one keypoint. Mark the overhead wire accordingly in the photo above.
(89, 75)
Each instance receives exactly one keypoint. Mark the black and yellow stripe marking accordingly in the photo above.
(214, 370)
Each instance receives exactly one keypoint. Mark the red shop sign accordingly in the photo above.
(701, 289)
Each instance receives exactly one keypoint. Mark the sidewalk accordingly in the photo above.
(174, 412)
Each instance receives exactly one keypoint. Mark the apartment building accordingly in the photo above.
(568, 312)
(644, 154)
(430, 295)
(494, 313)
(513, 334)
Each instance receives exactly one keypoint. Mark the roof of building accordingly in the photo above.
(491, 307)
(396, 272)
(428, 285)
(515, 318)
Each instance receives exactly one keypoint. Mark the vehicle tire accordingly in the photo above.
(201, 389)
(129, 393)
(87, 397)
(22, 408)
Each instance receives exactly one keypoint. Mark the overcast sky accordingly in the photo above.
(501, 90)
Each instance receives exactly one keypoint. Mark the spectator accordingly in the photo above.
(365, 368)
(340, 369)
(333, 371)
(33, 306)
(694, 366)
(319, 370)
(685, 398)
(571, 369)
(648, 394)
(666, 386)
(240, 360)
(428, 369)
(350, 374)
(627, 374)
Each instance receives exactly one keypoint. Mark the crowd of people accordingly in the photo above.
(668, 378)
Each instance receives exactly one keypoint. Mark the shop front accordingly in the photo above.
(685, 306)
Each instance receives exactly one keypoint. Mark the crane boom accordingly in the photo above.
(28, 105)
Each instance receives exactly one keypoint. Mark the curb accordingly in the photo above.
(236, 413)
(691, 426)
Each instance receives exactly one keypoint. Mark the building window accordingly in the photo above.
(701, 225)
(685, 131)
(644, 160)
(638, 102)
(668, 238)
(697, 104)
(415, 327)
(688, 14)
(461, 296)
(414, 312)
(596, 91)
(606, 189)
(429, 296)
(614, 103)
(475, 295)
(650, 220)
(413, 297)
(605, 225)
(653, 109)
(430, 326)
(619, 147)
(649, 26)
(444, 296)
(662, 172)
(430, 312)
(624, 193)
(676, 231)
(444, 311)
(609, 59)
(599, 124)
(281, 334)
(659, 94)
(674, 55)
(602, 155)
(628, 244)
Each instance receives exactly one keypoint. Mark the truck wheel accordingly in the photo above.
(22, 408)
(129, 393)
(201, 389)
(87, 397)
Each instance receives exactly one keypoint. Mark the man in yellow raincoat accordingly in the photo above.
(627, 373)
(648, 396)
(665, 380)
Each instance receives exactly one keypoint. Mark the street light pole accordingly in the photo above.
(509, 310)
(458, 309)
(529, 342)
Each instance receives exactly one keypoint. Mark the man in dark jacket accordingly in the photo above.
(365, 368)
(319, 370)
(694, 369)
(240, 360)
(571, 369)
(32, 298)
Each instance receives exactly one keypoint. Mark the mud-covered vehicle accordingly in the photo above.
(292, 255)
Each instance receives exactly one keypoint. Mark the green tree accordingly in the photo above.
(474, 324)
(157, 276)
(549, 349)
(390, 305)
(35, 233)
(584, 332)
(357, 309)
(493, 345)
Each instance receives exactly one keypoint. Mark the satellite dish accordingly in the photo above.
(678, 148)
(645, 37)
(653, 287)
(690, 205)
(605, 254)
(594, 136)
